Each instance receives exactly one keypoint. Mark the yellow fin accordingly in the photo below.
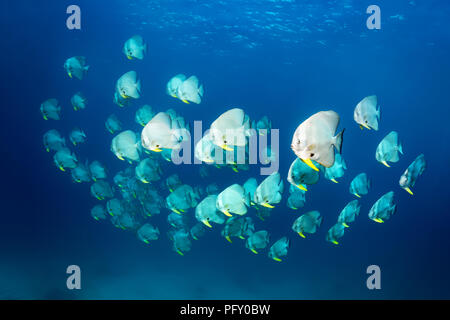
(277, 259)
(357, 195)
(176, 211)
(301, 234)
(120, 157)
(267, 205)
(235, 170)
(227, 148)
(385, 163)
(241, 237)
(334, 180)
(185, 101)
(409, 191)
(335, 242)
(206, 223)
(228, 238)
(156, 150)
(310, 164)
(61, 168)
(345, 225)
(301, 187)
(254, 251)
(225, 212)
(180, 253)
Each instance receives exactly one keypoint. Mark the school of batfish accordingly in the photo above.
(142, 190)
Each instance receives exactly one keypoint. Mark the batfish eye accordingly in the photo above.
(157, 145)
(311, 155)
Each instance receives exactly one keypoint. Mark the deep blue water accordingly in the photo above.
(286, 69)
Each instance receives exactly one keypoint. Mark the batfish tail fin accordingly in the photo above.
(138, 86)
(338, 141)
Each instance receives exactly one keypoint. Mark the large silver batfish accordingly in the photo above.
(314, 139)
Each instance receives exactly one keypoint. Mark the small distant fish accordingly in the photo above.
(349, 213)
(415, 169)
(366, 113)
(257, 241)
(76, 67)
(50, 109)
(129, 86)
(360, 185)
(190, 90)
(78, 101)
(388, 149)
(383, 208)
(232, 200)
(206, 212)
(269, 192)
(77, 136)
(279, 249)
(335, 233)
(113, 124)
(307, 223)
(126, 146)
(135, 48)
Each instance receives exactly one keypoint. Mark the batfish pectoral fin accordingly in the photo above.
(385, 163)
(277, 259)
(310, 164)
(228, 214)
(206, 223)
(409, 191)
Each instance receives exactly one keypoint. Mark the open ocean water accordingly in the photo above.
(283, 59)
